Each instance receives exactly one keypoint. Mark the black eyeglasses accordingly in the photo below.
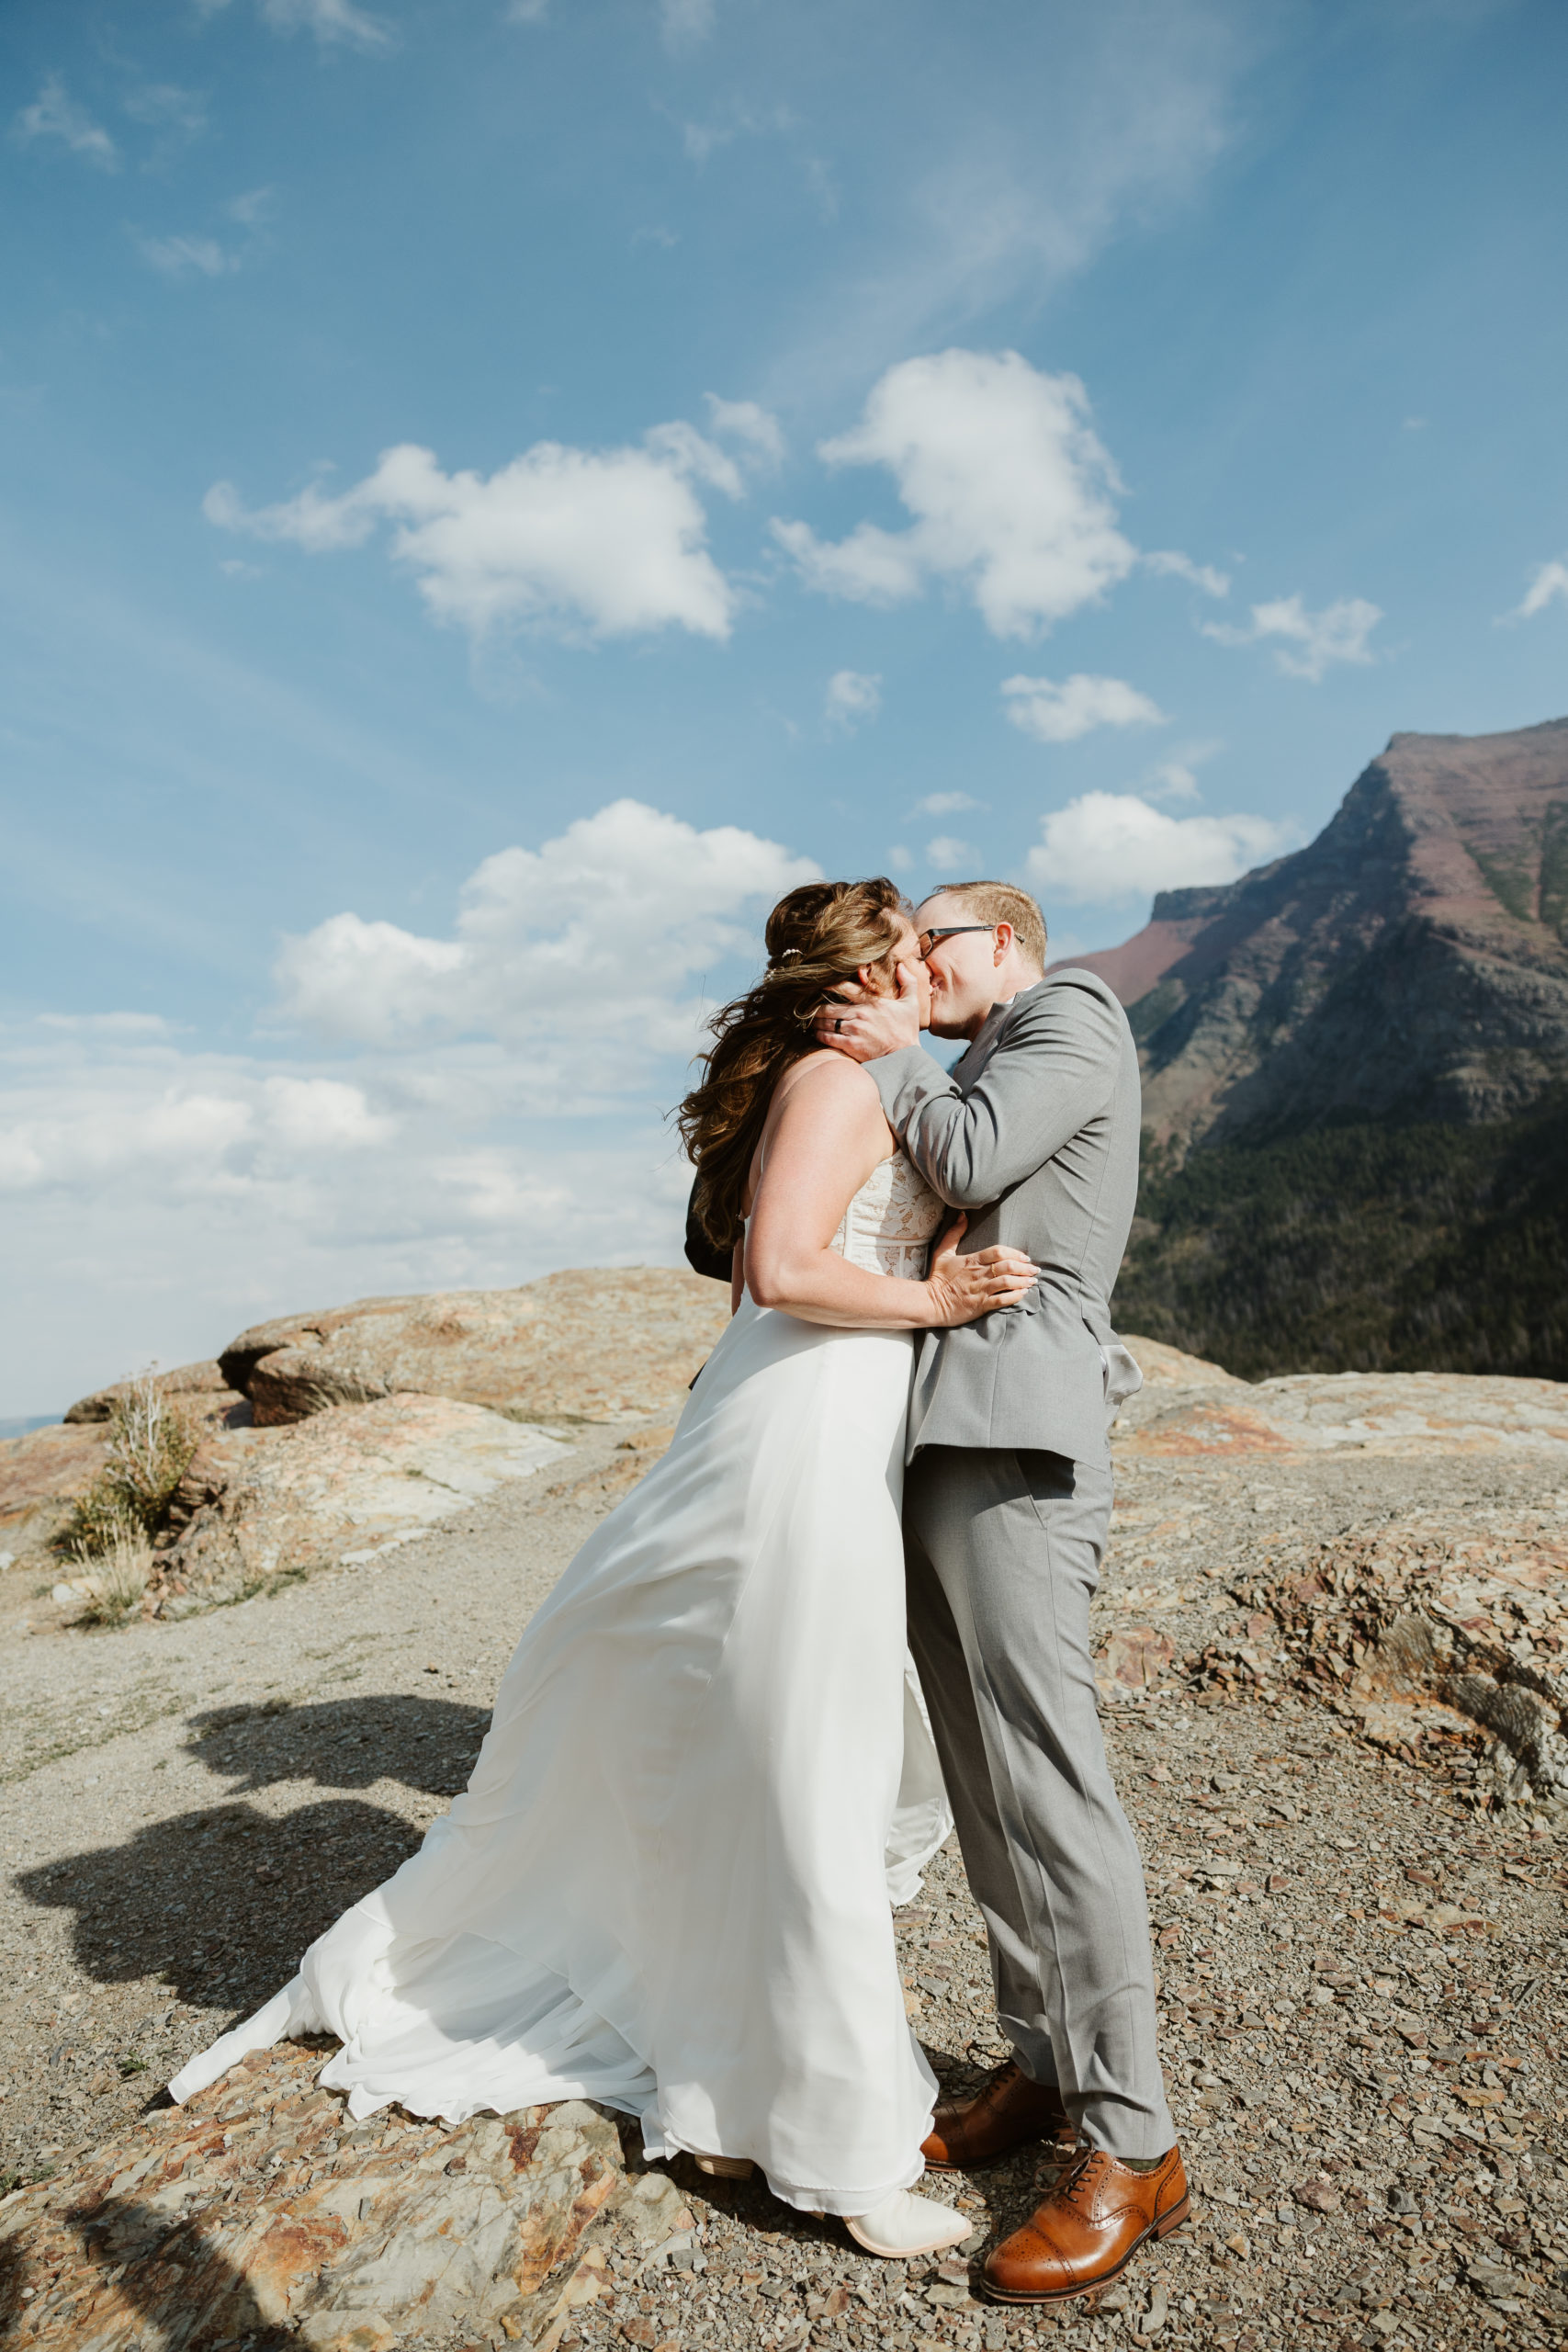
(926, 939)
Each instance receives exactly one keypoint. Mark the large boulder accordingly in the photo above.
(44, 1474)
(41, 1476)
(199, 1387)
(595, 1346)
(351, 1482)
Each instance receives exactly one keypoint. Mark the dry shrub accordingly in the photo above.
(151, 1443)
(116, 1579)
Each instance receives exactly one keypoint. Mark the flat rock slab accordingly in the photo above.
(1166, 1367)
(1307, 1413)
(344, 1486)
(1420, 1634)
(260, 2207)
(595, 1346)
(41, 1476)
(201, 1383)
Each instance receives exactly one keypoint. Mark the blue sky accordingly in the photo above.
(1052, 442)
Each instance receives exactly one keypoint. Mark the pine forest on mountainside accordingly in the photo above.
(1360, 1248)
(1356, 1082)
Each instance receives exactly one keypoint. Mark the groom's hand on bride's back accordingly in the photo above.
(865, 1027)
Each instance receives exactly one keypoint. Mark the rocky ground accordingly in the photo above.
(1362, 1998)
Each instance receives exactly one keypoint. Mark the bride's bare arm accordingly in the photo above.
(825, 1136)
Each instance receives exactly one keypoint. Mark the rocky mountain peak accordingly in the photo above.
(1411, 963)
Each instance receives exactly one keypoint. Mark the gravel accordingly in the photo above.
(1371, 2109)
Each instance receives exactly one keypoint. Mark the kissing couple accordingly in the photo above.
(707, 1776)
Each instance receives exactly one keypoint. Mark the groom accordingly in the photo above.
(1007, 1506)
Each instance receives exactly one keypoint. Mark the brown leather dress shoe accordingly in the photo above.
(1005, 2113)
(1088, 2230)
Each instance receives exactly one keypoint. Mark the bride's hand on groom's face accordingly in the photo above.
(962, 1289)
(869, 1026)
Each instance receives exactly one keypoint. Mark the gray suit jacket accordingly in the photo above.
(1035, 1134)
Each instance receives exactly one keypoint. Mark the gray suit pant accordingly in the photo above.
(1003, 1553)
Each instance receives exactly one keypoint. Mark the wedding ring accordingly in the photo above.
(838, 1028)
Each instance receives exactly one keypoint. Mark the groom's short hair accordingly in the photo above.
(1000, 902)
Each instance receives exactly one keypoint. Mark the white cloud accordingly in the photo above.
(1173, 780)
(1172, 564)
(685, 22)
(186, 257)
(949, 851)
(257, 205)
(586, 951)
(1313, 642)
(1060, 714)
(333, 22)
(699, 140)
(201, 1124)
(598, 543)
(493, 1106)
(744, 421)
(107, 1024)
(156, 1201)
(55, 115)
(900, 860)
(1176, 777)
(1101, 119)
(872, 566)
(186, 1132)
(1550, 583)
(852, 696)
(324, 1114)
(1108, 846)
(1011, 489)
(945, 804)
(527, 12)
(821, 187)
(164, 107)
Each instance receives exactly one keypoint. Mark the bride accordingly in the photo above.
(667, 1885)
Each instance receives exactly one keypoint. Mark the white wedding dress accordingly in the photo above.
(708, 1774)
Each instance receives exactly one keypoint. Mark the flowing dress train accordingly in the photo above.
(668, 1885)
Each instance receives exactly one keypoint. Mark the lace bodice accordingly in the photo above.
(888, 1225)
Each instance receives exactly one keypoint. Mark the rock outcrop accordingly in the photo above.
(598, 1346)
(1164, 1367)
(1413, 1635)
(1416, 1635)
(200, 1387)
(446, 1386)
(1411, 964)
(349, 1482)
(41, 1476)
(1307, 1413)
(260, 2213)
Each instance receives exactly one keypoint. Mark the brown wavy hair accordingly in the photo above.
(819, 937)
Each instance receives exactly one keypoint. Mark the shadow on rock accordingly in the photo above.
(427, 1744)
(222, 1902)
(13, 2278)
(174, 2278)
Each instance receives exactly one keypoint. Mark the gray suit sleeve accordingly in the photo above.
(1052, 1071)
